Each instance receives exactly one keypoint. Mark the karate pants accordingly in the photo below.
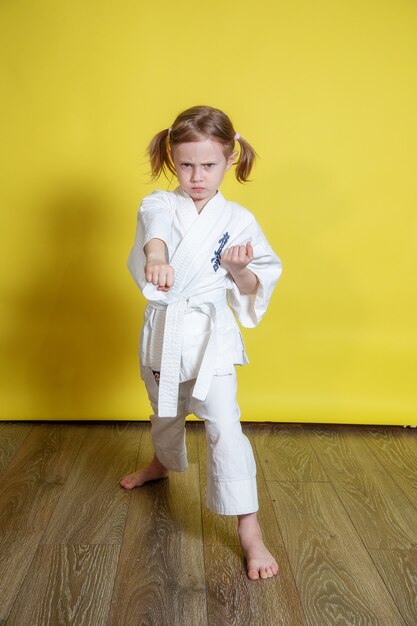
(231, 467)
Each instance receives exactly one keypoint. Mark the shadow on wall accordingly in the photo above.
(71, 340)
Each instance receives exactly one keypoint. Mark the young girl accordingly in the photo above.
(196, 258)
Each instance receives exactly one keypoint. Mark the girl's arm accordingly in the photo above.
(157, 270)
(235, 259)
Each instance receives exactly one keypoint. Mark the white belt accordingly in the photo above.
(171, 349)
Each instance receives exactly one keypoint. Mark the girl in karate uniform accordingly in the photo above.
(200, 260)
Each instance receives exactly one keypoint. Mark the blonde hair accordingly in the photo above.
(197, 124)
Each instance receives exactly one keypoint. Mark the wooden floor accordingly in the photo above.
(338, 508)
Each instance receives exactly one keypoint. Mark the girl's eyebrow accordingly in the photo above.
(203, 163)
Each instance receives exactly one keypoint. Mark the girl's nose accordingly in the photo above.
(197, 174)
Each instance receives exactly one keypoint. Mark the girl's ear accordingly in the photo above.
(230, 160)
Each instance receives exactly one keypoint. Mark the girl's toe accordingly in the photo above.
(253, 574)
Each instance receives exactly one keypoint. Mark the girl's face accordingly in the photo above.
(200, 168)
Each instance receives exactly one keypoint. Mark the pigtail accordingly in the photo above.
(159, 155)
(245, 161)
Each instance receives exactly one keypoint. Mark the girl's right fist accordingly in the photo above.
(159, 274)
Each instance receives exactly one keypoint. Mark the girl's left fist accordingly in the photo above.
(237, 257)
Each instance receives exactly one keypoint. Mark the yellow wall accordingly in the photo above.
(327, 93)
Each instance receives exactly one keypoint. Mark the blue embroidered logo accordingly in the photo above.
(217, 253)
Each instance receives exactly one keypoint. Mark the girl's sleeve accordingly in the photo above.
(154, 221)
(250, 308)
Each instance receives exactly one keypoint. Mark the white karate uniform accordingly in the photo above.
(190, 335)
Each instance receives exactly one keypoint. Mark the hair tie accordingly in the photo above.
(237, 137)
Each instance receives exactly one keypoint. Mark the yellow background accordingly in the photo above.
(325, 91)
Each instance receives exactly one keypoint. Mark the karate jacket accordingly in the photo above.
(191, 331)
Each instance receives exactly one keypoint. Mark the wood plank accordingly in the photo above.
(93, 506)
(335, 576)
(160, 579)
(12, 435)
(285, 454)
(114, 429)
(396, 449)
(234, 600)
(17, 549)
(398, 569)
(33, 481)
(67, 585)
(222, 529)
(382, 515)
(342, 451)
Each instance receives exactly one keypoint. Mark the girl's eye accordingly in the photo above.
(208, 165)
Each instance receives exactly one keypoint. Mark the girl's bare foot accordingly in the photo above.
(260, 562)
(153, 471)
